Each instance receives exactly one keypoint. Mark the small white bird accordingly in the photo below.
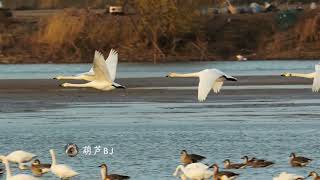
(104, 74)
(241, 58)
(20, 157)
(15, 177)
(209, 79)
(111, 63)
(315, 76)
(61, 170)
(287, 176)
(195, 171)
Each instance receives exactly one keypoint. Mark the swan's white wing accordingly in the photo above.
(217, 85)
(112, 62)
(100, 69)
(316, 79)
(207, 79)
(90, 72)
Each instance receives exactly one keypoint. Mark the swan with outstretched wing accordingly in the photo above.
(104, 74)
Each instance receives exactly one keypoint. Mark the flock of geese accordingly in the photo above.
(102, 76)
(192, 168)
(62, 171)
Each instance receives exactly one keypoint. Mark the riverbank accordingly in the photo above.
(256, 36)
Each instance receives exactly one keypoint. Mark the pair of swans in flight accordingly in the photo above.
(103, 73)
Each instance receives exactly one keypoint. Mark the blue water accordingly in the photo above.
(147, 137)
(43, 71)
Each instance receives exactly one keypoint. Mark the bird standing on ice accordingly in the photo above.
(208, 79)
(104, 74)
(315, 76)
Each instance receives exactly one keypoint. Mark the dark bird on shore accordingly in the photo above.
(228, 165)
(186, 158)
(314, 175)
(39, 169)
(106, 176)
(220, 175)
(252, 161)
(298, 161)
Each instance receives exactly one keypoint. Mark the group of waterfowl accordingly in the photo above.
(103, 73)
(61, 171)
(193, 169)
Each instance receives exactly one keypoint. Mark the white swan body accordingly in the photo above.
(16, 177)
(208, 79)
(20, 157)
(102, 74)
(194, 171)
(61, 170)
(111, 63)
(315, 76)
(287, 176)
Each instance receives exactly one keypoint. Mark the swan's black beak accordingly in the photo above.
(54, 78)
(283, 75)
(60, 85)
(100, 166)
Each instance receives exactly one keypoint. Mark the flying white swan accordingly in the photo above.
(15, 177)
(20, 157)
(61, 170)
(209, 79)
(194, 171)
(111, 63)
(104, 75)
(287, 176)
(315, 76)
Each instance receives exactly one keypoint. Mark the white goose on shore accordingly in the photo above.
(195, 171)
(111, 63)
(61, 170)
(15, 177)
(315, 76)
(20, 157)
(209, 79)
(104, 76)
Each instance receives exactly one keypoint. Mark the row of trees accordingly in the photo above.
(164, 27)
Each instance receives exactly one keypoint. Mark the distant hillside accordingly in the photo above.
(71, 36)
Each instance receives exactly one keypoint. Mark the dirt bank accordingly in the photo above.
(33, 37)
